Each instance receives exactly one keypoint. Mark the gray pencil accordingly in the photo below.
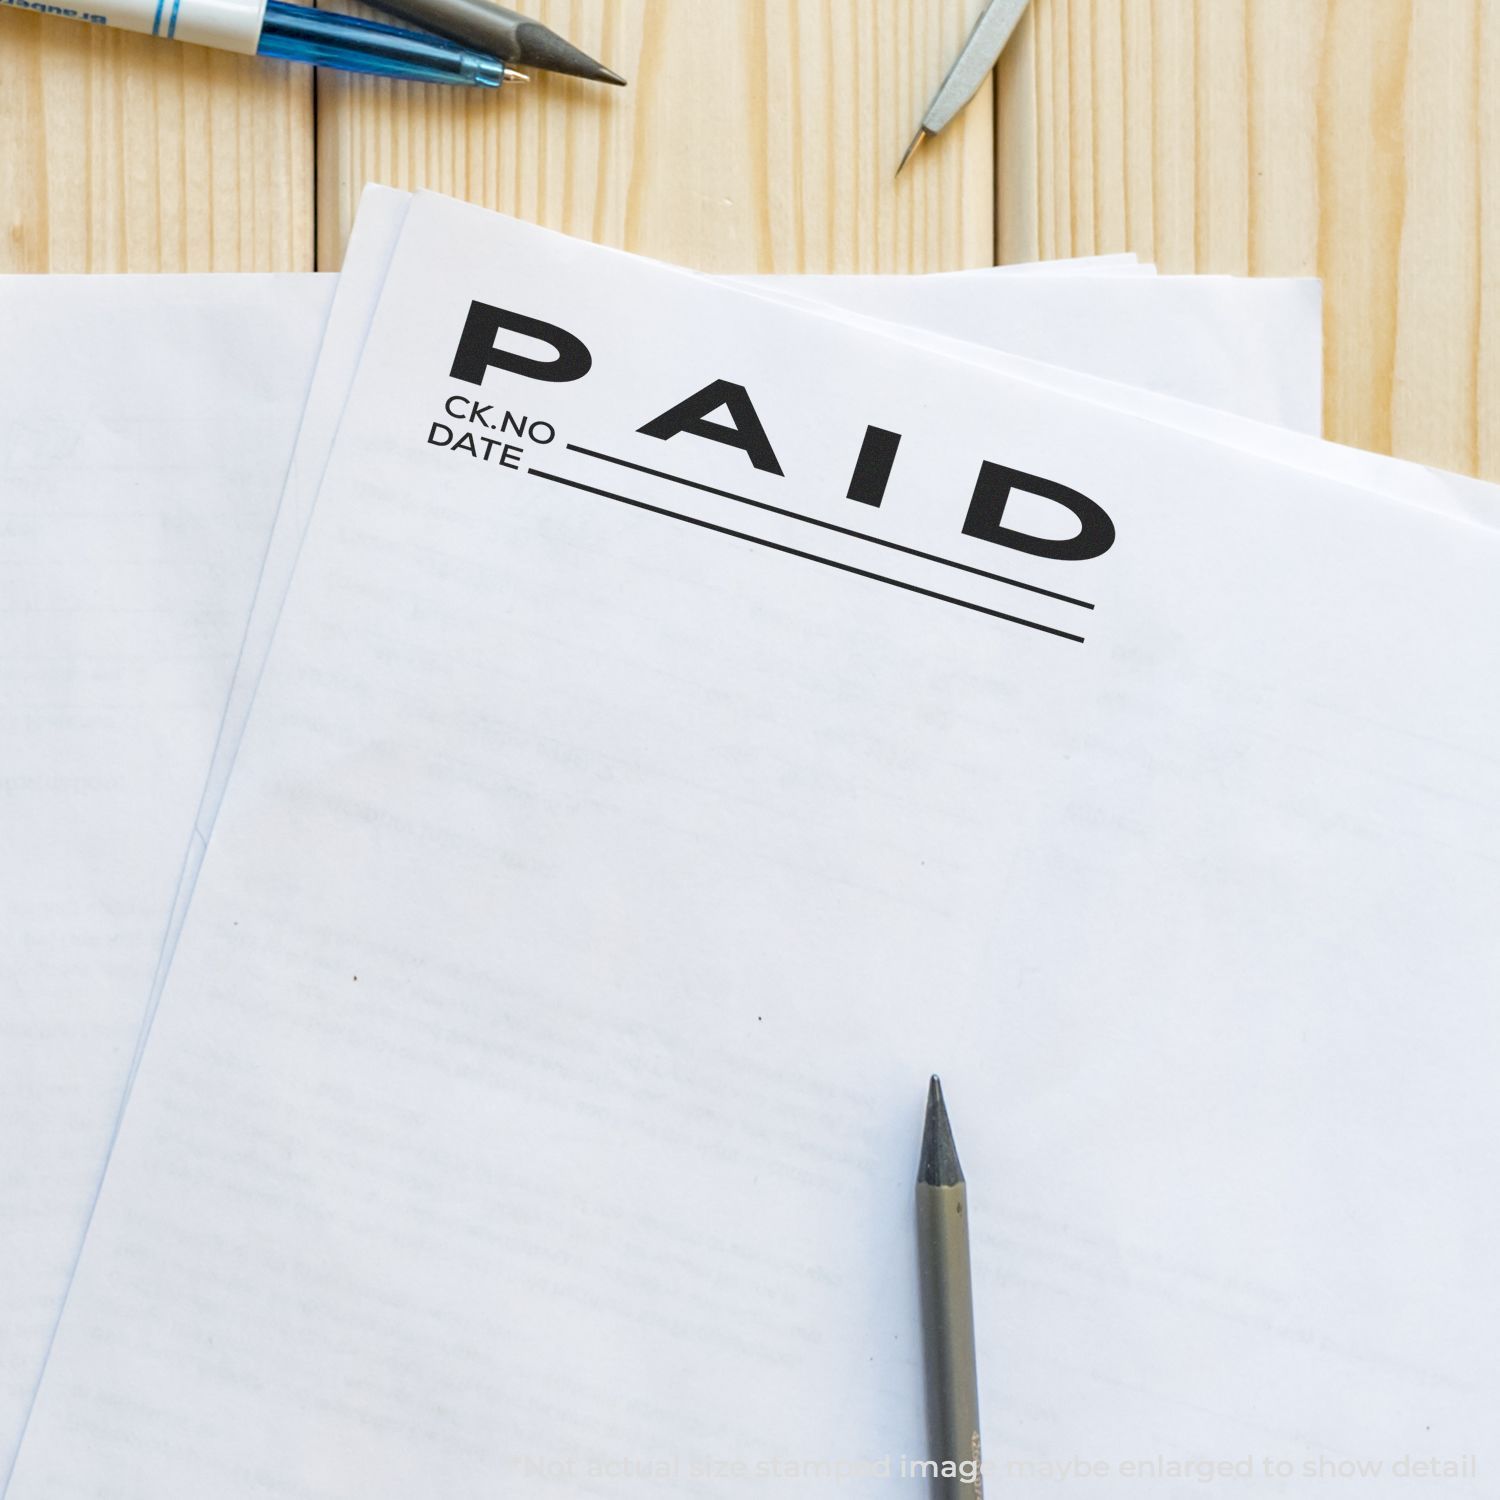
(502, 33)
(947, 1309)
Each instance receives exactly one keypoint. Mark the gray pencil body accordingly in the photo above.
(947, 1310)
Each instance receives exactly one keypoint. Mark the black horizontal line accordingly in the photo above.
(863, 536)
(827, 562)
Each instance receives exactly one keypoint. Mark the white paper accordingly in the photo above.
(538, 1079)
(1459, 496)
(131, 350)
(145, 429)
(1297, 366)
(1289, 379)
(1249, 345)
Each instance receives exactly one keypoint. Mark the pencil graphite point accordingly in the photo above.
(541, 47)
(945, 1282)
(938, 1165)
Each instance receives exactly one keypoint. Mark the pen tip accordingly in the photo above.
(938, 1165)
(916, 141)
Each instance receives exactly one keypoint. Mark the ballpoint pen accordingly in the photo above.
(297, 33)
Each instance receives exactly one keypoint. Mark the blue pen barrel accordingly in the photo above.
(296, 33)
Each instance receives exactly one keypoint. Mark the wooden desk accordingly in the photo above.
(1355, 139)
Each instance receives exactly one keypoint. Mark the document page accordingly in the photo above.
(1292, 376)
(644, 797)
(132, 311)
(1248, 344)
(145, 429)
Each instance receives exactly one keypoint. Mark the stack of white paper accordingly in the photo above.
(695, 713)
(147, 427)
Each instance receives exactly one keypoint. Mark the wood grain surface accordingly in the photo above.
(1354, 139)
(1358, 140)
(127, 153)
(755, 135)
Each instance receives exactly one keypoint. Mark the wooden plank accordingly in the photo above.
(1284, 49)
(1109, 169)
(1138, 126)
(1355, 139)
(1437, 251)
(1222, 220)
(755, 135)
(126, 153)
(1487, 333)
(1174, 154)
(1017, 127)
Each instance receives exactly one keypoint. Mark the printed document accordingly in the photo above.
(694, 720)
(73, 343)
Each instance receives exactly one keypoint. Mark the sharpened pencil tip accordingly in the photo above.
(938, 1165)
(916, 141)
(541, 47)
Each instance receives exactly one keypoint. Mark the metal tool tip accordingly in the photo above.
(916, 141)
(938, 1165)
(511, 76)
